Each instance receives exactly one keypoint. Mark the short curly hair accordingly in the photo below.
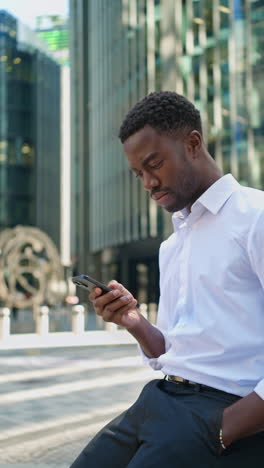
(165, 111)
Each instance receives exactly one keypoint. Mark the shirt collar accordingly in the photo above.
(212, 200)
(179, 218)
(218, 193)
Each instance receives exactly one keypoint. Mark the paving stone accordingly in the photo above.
(47, 417)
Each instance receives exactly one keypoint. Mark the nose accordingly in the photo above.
(150, 181)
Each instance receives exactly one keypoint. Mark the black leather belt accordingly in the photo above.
(189, 383)
(197, 386)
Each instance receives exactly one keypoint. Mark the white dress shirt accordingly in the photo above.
(211, 309)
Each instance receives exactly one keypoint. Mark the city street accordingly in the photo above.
(54, 400)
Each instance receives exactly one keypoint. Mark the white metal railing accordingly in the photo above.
(78, 335)
(4, 323)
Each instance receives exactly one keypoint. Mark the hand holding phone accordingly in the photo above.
(115, 304)
(89, 283)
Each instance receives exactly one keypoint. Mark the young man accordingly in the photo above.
(209, 339)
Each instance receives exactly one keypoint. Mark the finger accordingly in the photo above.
(105, 299)
(112, 284)
(116, 317)
(118, 303)
(115, 285)
(95, 293)
(121, 305)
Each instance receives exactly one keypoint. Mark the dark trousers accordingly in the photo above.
(171, 426)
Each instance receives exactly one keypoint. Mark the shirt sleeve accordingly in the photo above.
(259, 389)
(154, 362)
(162, 317)
(162, 327)
(256, 254)
(256, 247)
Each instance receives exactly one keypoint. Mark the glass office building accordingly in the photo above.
(54, 30)
(29, 130)
(210, 51)
(218, 65)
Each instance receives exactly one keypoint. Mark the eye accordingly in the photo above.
(157, 165)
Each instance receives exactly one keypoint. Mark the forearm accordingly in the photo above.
(150, 338)
(243, 418)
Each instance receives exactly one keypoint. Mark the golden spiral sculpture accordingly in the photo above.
(30, 269)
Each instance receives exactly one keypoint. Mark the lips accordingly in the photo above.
(158, 195)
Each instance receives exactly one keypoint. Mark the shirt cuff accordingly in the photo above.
(153, 362)
(259, 389)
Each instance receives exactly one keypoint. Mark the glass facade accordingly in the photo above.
(120, 69)
(17, 146)
(115, 61)
(29, 141)
(219, 69)
(210, 51)
(54, 30)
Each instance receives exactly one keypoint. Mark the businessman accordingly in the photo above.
(208, 411)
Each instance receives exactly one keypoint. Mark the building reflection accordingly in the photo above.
(29, 130)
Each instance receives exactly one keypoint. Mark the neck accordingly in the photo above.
(213, 177)
(209, 178)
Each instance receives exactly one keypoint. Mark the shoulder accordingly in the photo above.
(249, 207)
(249, 198)
(256, 234)
(245, 206)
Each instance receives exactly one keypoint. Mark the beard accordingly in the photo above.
(178, 204)
(184, 194)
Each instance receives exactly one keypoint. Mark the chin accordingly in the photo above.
(171, 209)
(174, 208)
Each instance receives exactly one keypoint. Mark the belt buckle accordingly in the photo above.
(188, 383)
(180, 379)
(177, 379)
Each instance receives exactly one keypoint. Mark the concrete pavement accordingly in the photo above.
(52, 401)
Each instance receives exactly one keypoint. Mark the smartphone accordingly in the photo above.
(88, 283)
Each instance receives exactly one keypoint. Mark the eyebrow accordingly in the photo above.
(146, 160)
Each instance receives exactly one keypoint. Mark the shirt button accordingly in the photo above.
(181, 325)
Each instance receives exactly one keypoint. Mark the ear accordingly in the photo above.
(193, 144)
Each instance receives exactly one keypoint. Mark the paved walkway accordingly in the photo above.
(52, 401)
